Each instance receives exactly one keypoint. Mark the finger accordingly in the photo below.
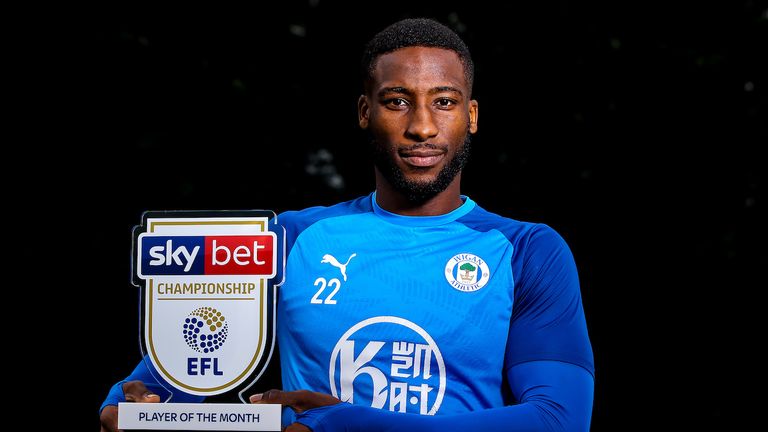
(136, 391)
(150, 398)
(273, 397)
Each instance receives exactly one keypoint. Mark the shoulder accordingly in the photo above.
(533, 243)
(517, 232)
(308, 216)
(296, 221)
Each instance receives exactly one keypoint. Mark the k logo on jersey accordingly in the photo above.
(391, 363)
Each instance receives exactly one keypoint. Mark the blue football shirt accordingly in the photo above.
(423, 314)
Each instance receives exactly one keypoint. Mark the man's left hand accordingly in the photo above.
(299, 400)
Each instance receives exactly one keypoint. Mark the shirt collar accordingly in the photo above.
(420, 221)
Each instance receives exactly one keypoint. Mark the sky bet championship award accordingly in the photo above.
(208, 283)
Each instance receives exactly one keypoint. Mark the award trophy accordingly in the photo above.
(208, 284)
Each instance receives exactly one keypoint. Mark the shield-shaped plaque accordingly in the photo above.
(208, 280)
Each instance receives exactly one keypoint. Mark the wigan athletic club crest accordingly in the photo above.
(209, 283)
(467, 272)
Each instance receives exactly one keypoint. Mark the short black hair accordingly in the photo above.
(410, 32)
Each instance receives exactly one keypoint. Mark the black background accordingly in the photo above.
(633, 128)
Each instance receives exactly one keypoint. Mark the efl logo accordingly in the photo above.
(207, 255)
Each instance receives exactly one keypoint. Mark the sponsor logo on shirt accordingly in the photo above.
(467, 272)
(390, 363)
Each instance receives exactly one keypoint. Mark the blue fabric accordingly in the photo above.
(115, 396)
(374, 311)
(147, 373)
(553, 396)
(547, 322)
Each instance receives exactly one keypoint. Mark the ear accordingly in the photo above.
(473, 113)
(363, 111)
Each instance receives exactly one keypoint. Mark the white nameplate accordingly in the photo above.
(188, 416)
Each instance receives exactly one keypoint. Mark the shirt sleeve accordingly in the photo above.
(554, 396)
(147, 373)
(547, 316)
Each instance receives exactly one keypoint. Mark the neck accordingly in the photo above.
(395, 202)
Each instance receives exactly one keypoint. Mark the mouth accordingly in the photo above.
(422, 158)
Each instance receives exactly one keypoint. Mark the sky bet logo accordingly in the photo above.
(207, 255)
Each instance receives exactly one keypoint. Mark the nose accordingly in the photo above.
(421, 125)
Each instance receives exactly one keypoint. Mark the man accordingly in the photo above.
(414, 306)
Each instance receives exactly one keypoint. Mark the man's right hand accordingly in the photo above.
(135, 391)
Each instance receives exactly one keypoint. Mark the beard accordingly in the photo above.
(419, 192)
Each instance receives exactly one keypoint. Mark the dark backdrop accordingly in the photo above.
(631, 128)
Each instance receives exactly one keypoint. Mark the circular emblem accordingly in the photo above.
(390, 363)
(467, 272)
(205, 330)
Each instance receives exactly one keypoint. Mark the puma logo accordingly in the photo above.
(330, 259)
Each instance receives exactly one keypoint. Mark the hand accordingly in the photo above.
(299, 401)
(135, 391)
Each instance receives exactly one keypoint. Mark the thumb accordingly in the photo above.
(136, 391)
(150, 397)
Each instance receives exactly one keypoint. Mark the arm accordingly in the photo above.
(139, 386)
(548, 361)
(554, 396)
(146, 374)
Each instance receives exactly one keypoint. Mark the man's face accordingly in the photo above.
(419, 114)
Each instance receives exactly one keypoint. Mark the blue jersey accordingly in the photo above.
(423, 314)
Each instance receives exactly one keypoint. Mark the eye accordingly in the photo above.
(445, 103)
(396, 103)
